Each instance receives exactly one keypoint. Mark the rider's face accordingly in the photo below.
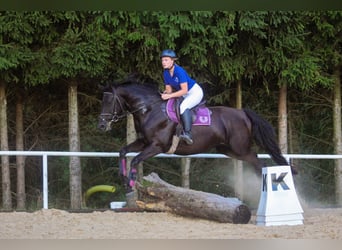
(167, 62)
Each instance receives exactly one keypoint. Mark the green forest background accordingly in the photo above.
(43, 54)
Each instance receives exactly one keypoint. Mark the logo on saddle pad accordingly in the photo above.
(200, 113)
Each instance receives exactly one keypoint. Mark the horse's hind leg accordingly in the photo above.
(253, 159)
(250, 157)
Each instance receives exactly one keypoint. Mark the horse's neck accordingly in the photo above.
(140, 103)
(137, 98)
(144, 107)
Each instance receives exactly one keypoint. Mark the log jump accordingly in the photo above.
(155, 194)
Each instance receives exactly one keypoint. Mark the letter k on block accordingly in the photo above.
(279, 181)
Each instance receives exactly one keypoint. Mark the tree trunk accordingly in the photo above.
(20, 159)
(185, 169)
(238, 166)
(337, 136)
(282, 118)
(5, 169)
(157, 195)
(75, 180)
(131, 136)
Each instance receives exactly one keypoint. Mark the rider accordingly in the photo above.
(176, 78)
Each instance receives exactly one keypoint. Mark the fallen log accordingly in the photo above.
(154, 194)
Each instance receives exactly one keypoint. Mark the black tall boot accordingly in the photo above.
(187, 123)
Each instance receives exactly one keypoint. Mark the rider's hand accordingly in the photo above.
(165, 96)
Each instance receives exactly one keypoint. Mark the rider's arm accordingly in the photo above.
(181, 92)
(168, 89)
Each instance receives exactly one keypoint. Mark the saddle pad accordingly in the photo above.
(202, 114)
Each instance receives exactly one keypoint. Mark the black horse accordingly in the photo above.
(231, 131)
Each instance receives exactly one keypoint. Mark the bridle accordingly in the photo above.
(118, 109)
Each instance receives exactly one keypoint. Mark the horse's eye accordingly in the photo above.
(106, 117)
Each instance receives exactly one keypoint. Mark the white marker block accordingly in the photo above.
(278, 204)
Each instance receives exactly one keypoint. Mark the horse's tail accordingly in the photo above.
(265, 137)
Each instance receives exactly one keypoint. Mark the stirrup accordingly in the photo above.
(187, 138)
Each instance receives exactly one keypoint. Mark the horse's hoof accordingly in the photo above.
(294, 171)
(131, 199)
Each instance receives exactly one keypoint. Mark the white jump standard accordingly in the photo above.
(278, 204)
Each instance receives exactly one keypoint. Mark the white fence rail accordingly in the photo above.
(46, 154)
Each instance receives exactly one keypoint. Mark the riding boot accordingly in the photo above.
(187, 123)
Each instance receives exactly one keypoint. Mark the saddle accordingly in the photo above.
(201, 115)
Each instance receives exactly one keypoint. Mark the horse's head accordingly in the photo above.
(126, 97)
(112, 109)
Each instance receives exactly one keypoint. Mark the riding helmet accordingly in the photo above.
(168, 53)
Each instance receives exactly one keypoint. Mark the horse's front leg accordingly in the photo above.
(148, 152)
(135, 146)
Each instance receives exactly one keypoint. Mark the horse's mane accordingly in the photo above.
(136, 81)
(140, 85)
(144, 88)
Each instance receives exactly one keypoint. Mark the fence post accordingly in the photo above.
(45, 182)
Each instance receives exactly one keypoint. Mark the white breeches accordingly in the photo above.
(192, 98)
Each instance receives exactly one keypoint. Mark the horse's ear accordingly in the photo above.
(101, 87)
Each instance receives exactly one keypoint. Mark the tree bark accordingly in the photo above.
(75, 180)
(185, 169)
(5, 169)
(157, 195)
(20, 159)
(282, 118)
(337, 136)
(238, 166)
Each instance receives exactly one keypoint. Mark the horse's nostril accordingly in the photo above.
(101, 126)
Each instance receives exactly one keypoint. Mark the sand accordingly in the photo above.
(109, 224)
